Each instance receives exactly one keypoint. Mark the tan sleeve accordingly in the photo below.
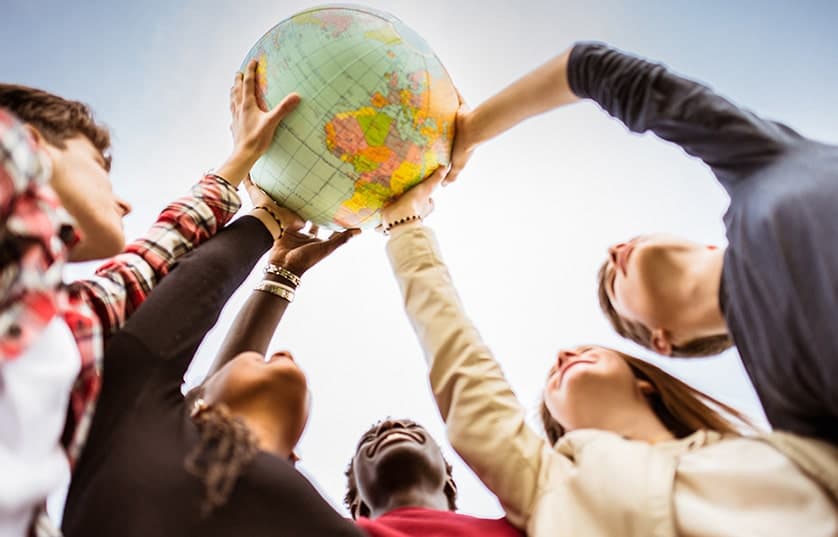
(486, 423)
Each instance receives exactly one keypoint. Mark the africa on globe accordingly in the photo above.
(376, 116)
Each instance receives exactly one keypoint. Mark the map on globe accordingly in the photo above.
(376, 116)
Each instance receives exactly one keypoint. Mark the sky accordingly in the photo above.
(522, 231)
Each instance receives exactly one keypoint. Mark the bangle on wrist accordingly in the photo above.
(275, 218)
(276, 288)
(404, 220)
(282, 272)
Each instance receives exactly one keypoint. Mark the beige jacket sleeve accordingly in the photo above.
(486, 423)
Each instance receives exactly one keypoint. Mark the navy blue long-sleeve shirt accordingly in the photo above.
(779, 286)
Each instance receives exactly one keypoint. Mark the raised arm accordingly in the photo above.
(290, 258)
(124, 282)
(644, 96)
(485, 421)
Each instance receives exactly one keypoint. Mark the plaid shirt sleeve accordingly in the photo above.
(123, 282)
(35, 233)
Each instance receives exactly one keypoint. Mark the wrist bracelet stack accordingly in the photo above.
(400, 221)
(279, 289)
(282, 272)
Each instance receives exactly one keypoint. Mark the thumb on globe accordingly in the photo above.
(288, 104)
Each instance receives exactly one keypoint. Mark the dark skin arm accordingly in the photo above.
(256, 322)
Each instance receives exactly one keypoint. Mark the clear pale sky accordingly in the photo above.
(523, 230)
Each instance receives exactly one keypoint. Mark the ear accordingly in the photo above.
(359, 509)
(451, 485)
(35, 134)
(660, 342)
(646, 387)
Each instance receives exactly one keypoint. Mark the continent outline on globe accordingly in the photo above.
(376, 116)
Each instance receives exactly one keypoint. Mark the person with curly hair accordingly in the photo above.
(398, 484)
(218, 461)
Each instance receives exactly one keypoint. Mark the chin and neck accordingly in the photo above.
(633, 422)
(417, 496)
(699, 313)
(270, 435)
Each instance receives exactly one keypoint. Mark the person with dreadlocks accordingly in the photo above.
(219, 461)
(400, 485)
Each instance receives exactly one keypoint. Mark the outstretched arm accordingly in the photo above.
(485, 421)
(256, 322)
(122, 283)
(641, 94)
(537, 92)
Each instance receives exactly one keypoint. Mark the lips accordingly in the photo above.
(568, 365)
(393, 436)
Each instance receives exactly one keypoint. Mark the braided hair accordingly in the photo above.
(225, 446)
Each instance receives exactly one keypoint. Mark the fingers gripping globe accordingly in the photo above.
(376, 116)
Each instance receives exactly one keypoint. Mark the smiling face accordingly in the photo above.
(252, 384)
(588, 383)
(393, 457)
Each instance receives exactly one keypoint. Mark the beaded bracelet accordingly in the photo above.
(276, 218)
(401, 221)
(283, 272)
(275, 288)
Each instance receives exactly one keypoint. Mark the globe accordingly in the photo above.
(376, 116)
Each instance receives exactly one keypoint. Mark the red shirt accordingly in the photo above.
(423, 522)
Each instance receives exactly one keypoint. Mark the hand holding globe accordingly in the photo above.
(376, 115)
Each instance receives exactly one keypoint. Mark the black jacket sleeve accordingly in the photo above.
(167, 329)
(647, 96)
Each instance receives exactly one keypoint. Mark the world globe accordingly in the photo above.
(376, 116)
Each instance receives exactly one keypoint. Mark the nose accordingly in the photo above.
(284, 354)
(124, 206)
(564, 356)
(614, 249)
(387, 425)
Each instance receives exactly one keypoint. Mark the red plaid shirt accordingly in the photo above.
(35, 235)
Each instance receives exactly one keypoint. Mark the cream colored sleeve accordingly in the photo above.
(486, 423)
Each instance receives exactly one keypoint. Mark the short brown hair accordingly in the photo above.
(56, 118)
(640, 334)
(680, 407)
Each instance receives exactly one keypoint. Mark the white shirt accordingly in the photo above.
(34, 395)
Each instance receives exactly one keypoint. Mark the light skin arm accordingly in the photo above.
(537, 92)
(644, 96)
(253, 125)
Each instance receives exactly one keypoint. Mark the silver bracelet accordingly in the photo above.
(276, 288)
(283, 272)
